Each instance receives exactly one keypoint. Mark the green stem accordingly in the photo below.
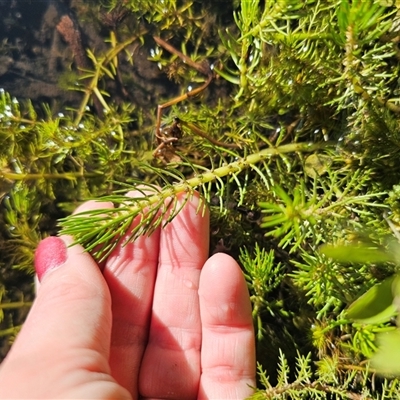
(92, 87)
(246, 162)
(16, 304)
(27, 177)
(89, 234)
(229, 169)
(9, 331)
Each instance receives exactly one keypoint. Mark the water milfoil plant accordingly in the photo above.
(292, 144)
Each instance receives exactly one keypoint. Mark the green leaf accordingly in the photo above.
(376, 305)
(387, 359)
(357, 253)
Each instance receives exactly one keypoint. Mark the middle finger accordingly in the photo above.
(130, 272)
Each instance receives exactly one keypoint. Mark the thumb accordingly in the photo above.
(69, 325)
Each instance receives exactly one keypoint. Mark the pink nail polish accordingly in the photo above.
(50, 254)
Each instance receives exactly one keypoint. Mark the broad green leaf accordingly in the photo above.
(376, 305)
(357, 253)
(396, 286)
(387, 359)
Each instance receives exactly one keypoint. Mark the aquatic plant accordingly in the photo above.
(293, 144)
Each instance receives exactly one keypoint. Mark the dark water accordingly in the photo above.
(37, 63)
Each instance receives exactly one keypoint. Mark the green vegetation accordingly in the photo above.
(294, 145)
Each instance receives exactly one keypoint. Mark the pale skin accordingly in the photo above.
(161, 320)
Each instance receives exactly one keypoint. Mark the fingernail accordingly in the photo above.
(50, 254)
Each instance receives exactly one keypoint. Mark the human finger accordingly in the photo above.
(130, 272)
(171, 363)
(95, 205)
(63, 347)
(228, 343)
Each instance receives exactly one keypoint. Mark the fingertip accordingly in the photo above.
(219, 262)
(50, 254)
(72, 306)
(198, 205)
(53, 252)
(224, 292)
(185, 239)
(228, 342)
(66, 263)
(93, 205)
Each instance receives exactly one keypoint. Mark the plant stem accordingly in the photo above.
(246, 162)
(92, 86)
(66, 175)
(90, 234)
(9, 331)
(229, 169)
(15, 304)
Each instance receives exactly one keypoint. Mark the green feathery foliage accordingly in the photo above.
(293, 145)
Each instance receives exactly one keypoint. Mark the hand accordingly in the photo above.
(159, 321)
